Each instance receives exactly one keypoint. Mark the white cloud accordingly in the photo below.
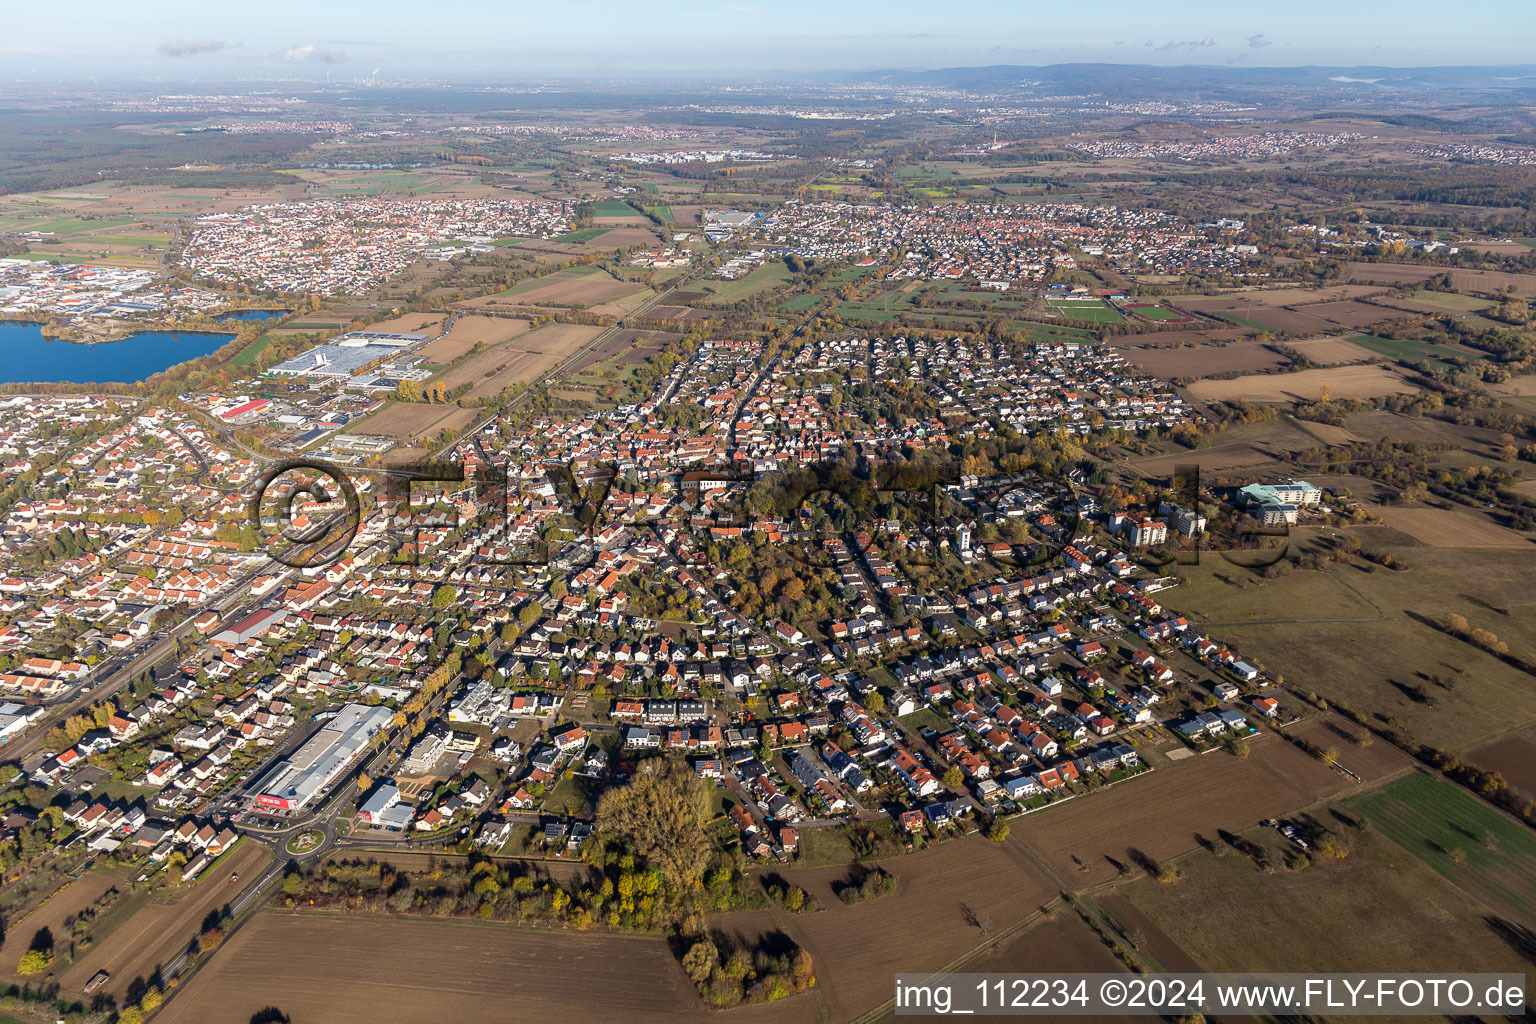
(311, 53)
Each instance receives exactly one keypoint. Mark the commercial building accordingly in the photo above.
(298, 779)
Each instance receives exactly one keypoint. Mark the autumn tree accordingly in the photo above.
(659, 815)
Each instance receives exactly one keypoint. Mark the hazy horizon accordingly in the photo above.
(508, 42)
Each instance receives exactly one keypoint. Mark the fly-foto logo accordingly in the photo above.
(828, 515)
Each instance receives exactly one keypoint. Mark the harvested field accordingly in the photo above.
(1327, 351)
(581, 287)
(525, 359)
(1327, 432)
(1315, 919)
(1288, 321)
(1093, 839)
(855, 948)
(1160, 945)
(1061, 940)
(1522, 385)
(469, 331)
(623, 304)
(1341, 382)
(1224, 458)
(1485, 282)
(414, 420)
(1378, 760)
(1303, 296)
(670, 312)
(626, 347)
(1205, 360)
(330, 971)
(160, 930)
(1170, 339)
(67, 902)
(1513, 757)
(1409, 306)
(1449, 528)
(1350, 314)
(623, 237)
(411, 323)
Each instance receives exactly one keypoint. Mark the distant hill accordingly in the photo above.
(1124, 81)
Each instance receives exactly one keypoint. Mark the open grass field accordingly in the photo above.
(1163, 814)
(162, 929)
(51, 914)
(1377, 910)
(334, 968)
(771, 275)
(1341, 381)
(469, 331)
(856, 948)
(1450, 528)
(408, 421)
(1207, 595)
(1481, 851)
(1383, 666)
(1205, 360)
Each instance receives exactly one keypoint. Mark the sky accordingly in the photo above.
(515, 39)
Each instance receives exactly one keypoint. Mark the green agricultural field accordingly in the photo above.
(613, 208)
(1451, 300)
(247, 356)
(799, 303)
(1481, 850)
(661, 213)
(73, 225)
(1407, 350)
(925, 172)
(853, 311)
(149, 241)
(583, 235)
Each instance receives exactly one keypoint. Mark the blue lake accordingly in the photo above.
(26, 356)
(251, 314)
